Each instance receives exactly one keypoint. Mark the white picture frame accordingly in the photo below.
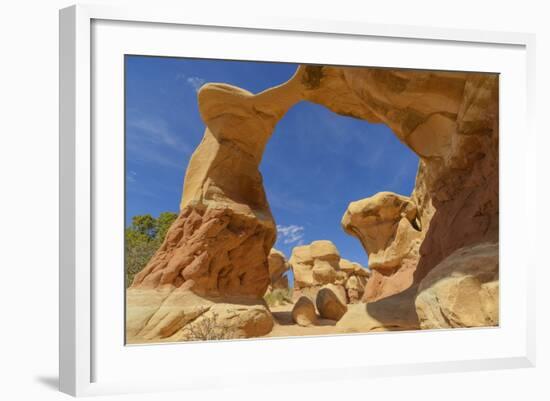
(80, 316)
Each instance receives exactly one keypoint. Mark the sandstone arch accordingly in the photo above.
(216, 251)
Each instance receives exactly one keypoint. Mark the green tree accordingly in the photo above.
(163, 223)
(144, 224)
(142, 239)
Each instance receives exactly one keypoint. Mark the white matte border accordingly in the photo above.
(122, 369)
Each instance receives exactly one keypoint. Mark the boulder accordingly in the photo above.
(461, 291)
(166, 315)
(315, 264)
(329, 304)
(318, 264)
(324, 250)
(303, 312)
(323, 272)
(229, 321)
(339, 291)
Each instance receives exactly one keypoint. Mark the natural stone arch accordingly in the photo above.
(216, 251)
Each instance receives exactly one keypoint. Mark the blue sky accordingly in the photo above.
(314, 165)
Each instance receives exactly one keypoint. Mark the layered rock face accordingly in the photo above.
(218, 247)
(319, 264)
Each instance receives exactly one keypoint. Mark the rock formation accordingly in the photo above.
(319, 264)
(449, 119)
(315, 264)
(356, 279)
(388, 227)
(462, 290)
(329, 304)
(215, 254)
(217, 249)
(303, 312)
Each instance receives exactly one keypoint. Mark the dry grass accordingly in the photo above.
(208, 328)
(278, 297)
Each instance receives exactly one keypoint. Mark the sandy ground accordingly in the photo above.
(285, 327)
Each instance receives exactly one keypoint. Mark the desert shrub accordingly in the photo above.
(279, 296)
(209, 327)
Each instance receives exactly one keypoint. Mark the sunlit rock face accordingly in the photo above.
(462, 290)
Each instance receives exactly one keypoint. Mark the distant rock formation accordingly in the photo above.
(319, 264)
(278, 266)
(315, 264)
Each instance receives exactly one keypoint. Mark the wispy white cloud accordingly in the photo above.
(156, 131)
(152, 140)
(194, 82)
(131, 176)
(140, 152)
(292, 234)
